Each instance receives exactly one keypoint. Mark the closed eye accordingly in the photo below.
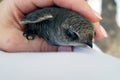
(71, 34)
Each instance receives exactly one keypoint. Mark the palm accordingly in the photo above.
(12, 38)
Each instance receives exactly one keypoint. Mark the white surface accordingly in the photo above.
(88, 64)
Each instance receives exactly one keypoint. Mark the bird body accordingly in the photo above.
(59, 27)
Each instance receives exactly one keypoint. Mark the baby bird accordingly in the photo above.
(58, 27)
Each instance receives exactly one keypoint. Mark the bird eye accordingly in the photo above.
(71, 34)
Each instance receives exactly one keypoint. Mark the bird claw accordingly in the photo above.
(29, 36)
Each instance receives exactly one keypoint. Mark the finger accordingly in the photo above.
(26, 6)
(100, 31)
(80, 6)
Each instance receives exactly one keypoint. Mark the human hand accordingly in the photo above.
(11, 38)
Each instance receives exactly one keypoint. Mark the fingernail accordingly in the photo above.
(103, 31)
(97, 15)
(65, 49)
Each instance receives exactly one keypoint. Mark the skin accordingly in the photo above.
(11, 38)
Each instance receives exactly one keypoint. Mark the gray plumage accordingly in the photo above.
(59, 27)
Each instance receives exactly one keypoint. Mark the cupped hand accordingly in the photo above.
(11, 31)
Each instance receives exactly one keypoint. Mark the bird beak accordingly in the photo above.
(89, 44)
